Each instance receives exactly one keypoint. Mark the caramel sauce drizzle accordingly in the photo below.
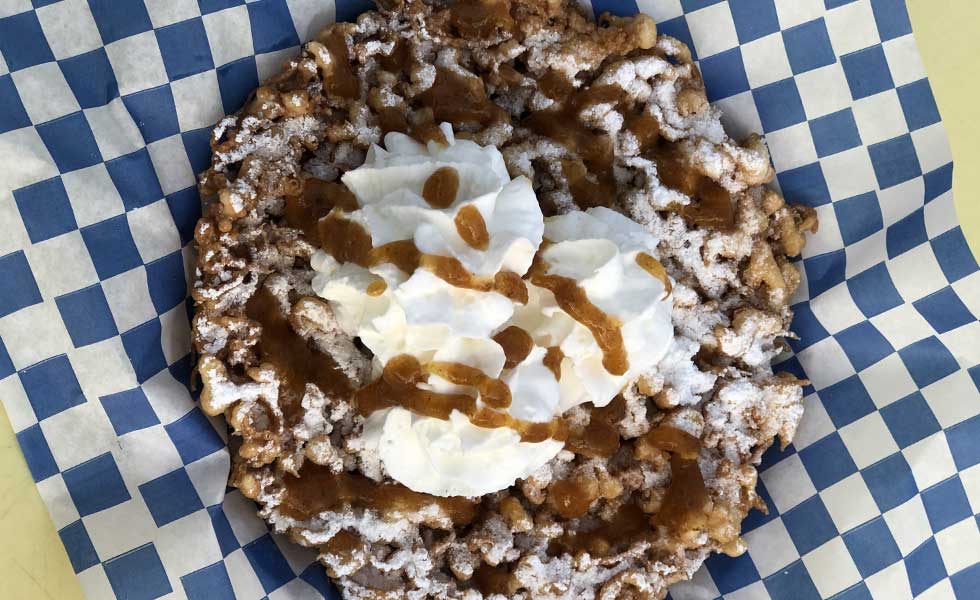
(377, 287)
(316, 198)
(392, 118)
(348, 241)
(675, 441)
(317, 490)
(686, 503)
(293, 359)
(529, 431)
(628, 525)
(600, 438)
(441, 187)
(400, 58)
(341, 80)
(455, 98)
(605, 328)
(645, 128)
(571, 498)
(472, 228)
(653, 266)
(403, 254)
(685, 506)
(590, 180)
(713, 208)
(563, 126)
(398, 386)
(493, 392)
(517, 344)
(492, 580)
(555, 85)
(480, 18)
(428, 132)
(344, 239)
(510, 285)
(585, 192)
(552, 360)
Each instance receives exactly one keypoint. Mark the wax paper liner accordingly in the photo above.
(105, 109)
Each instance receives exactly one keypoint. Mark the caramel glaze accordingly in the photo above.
(713, 207)
(552, 360)
(675, 441)
(586, 192)
(426, 132)
(595, 148)
(316, 198)
(653, 266)
(348, 241)
(629, 525)
(685, 505)
(572, 498)
(344, 239)
(296, 363)
(377, 287)
(492, 580)
(317, 489)
(600, 438)
(510, 285)
(573, 300)
(472, 228)
(441, 187)
(400, 58)
(645, 128)
(517, 344)
(398, 386)
(456, 98)
(344, 543)
(530, 432)
(341, 81)
(590, 180)
(480, 18)
(393, 118)
(493, 392)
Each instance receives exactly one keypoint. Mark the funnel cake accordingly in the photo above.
(605, 114)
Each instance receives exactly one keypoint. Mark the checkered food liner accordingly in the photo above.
(105, 109)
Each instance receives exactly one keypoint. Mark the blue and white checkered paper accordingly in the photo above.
(105, 107)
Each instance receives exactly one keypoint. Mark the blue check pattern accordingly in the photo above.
(105, 109)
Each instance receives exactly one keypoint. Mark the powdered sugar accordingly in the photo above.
(271, 144)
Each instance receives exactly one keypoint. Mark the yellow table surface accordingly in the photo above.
(33, 563)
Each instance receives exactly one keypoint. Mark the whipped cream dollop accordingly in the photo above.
(604, 253)
(439, 322)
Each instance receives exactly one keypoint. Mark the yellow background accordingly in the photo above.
(33, 563)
